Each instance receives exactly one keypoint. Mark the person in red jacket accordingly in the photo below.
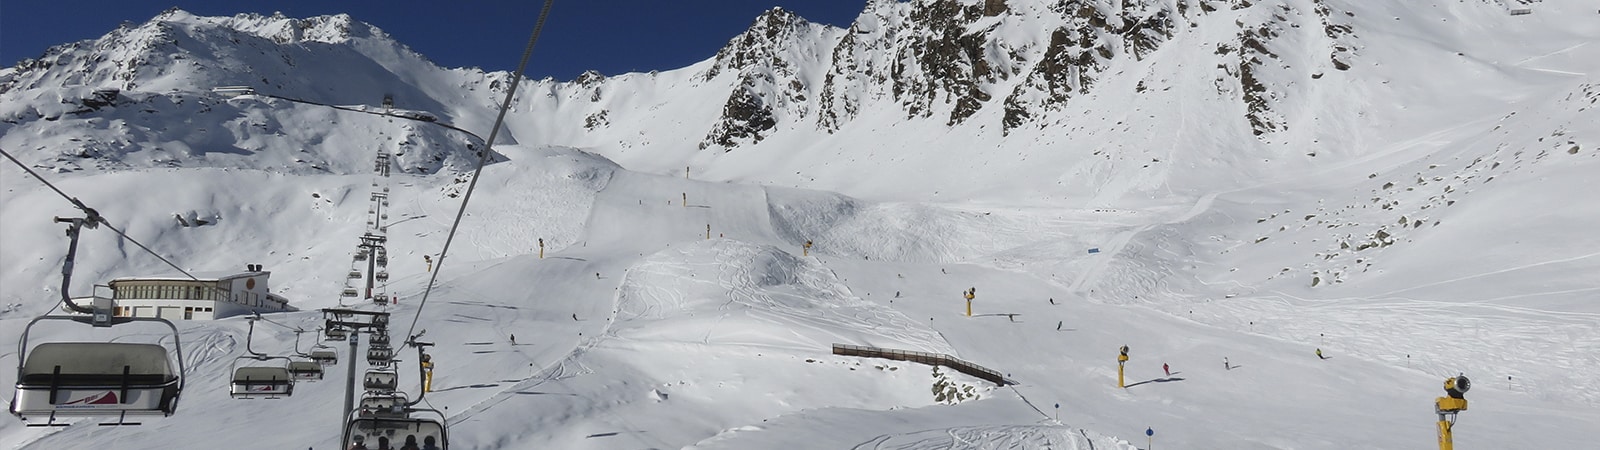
(1166, 369)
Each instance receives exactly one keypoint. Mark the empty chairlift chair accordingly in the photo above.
(324, 355)
(350, 293)
(71, 379)
(264, 381)
(354, 274)
(336, 334)
(305, 370)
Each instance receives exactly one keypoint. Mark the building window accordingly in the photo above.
(188, 313)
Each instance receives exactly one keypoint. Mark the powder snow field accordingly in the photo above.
(724, 343)
(1442, 227)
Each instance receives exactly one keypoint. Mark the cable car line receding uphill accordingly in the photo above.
(483, 157)
(360, 428)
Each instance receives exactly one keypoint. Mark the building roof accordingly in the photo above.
(201, 276)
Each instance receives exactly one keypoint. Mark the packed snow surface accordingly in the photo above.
(1424, 215)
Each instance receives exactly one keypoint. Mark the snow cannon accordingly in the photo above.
(1447, 407)
(1457, 387)
(1122, 358)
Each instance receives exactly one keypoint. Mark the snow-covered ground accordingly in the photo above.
(1434, 235)
(724, 343)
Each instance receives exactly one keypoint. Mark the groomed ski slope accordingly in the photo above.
(682, 341)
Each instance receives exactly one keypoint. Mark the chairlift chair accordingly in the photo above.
(383, 404)
(361, 255)
(380, 380)
(382, 276)
(324, 355)
(379, 340)
(77, 379)
(350, 293)
(383, 261)
(379, 355)
(354, 274)
(420, 427)
(269, 381)
(380, 299)
(305, 370)
(335, 334)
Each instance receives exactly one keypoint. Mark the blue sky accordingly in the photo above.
(612, 36)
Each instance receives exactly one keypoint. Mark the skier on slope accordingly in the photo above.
(1168, 370)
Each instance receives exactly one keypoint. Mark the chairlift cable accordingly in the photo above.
(94, 216)
(294, 329)
(483, 157)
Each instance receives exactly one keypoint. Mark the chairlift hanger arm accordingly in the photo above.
(92, 219)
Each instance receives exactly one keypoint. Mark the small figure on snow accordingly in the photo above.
(1225, 364)
(574, 316)
(1168, 370)
(1052, 300)
(1319, 354)
(513, 339)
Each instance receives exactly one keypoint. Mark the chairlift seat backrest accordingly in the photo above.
(380, 380)
(261, 380)
(97, 364)
(396, 430)
(305, 370)
(72, 379)
(325, 356)
(263, 375)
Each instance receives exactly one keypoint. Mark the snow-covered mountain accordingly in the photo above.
(1399, 183)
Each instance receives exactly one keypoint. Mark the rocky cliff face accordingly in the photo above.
(949, 59)
(1087, 71)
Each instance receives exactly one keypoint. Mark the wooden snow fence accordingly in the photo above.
(932, 359)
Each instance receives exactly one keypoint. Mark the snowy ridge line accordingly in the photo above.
(932, 359)
(417, 118)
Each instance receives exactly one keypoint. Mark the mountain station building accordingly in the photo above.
(206, 296)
